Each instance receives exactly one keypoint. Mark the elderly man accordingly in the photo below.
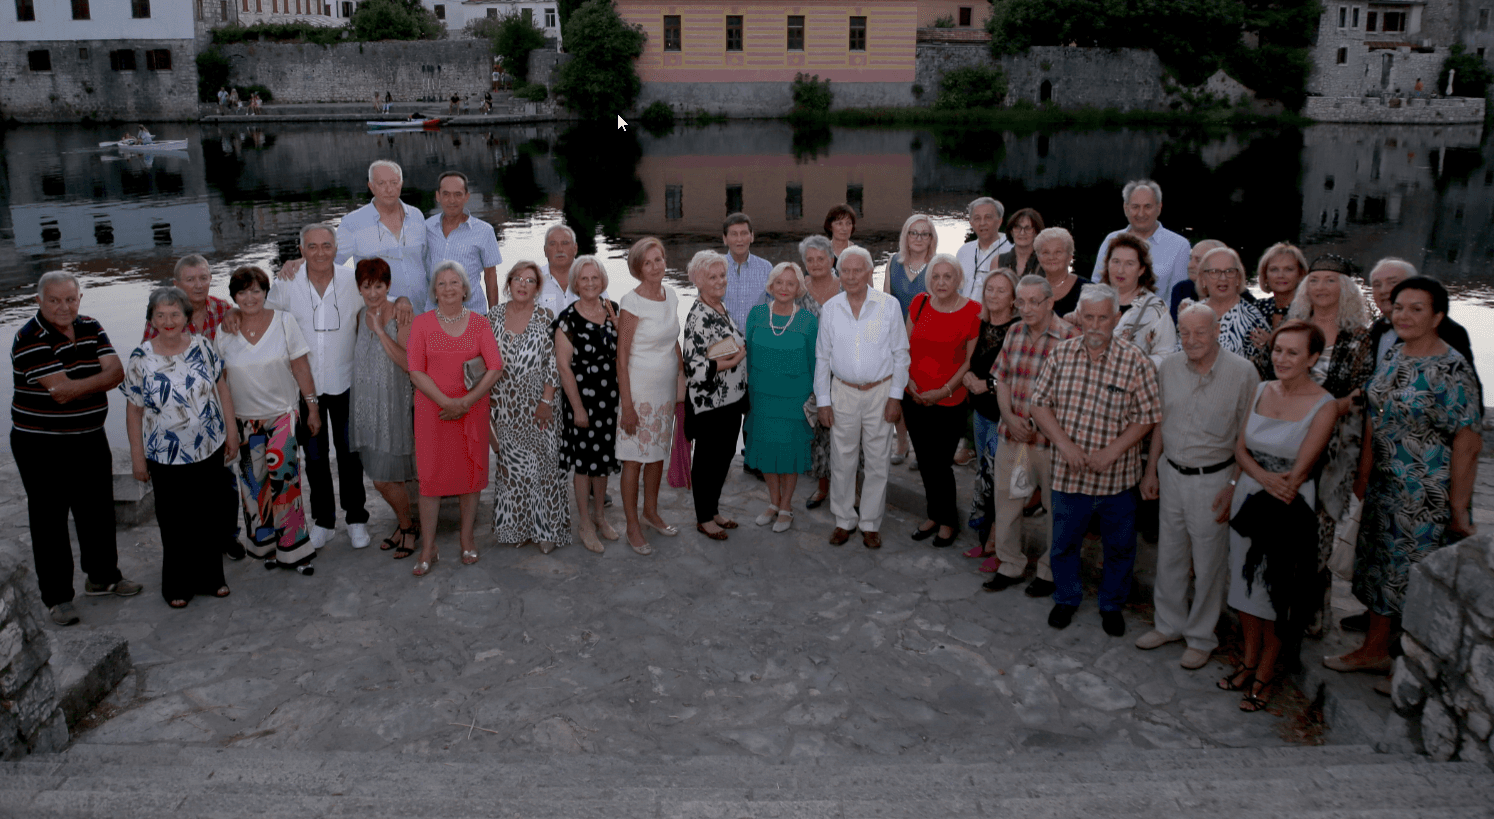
(324, 298)
(978, 257)
(746, 274)
(861, 367)
(1206, 396)
(194, 276)
(457, 236)
(1143, 205)
(388, 229)
(1027, 346)
(64, 367)
(1096, 398)
(555, 274)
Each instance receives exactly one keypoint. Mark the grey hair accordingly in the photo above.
(189, 260)
(579, 263)
(386, 163)
(1394, 261)
(1196, 308)
(315, 226)
(701, 262)
(566, 228)
(781, 268)
(815, 241)
(986, 200)
(1049, 234)
(168, 294)
(430, 290)
(1101, 293)
(1034, 280)
(947, 259)
(1239, 265)
(859, 252)
(55, 276)
(1131, 187)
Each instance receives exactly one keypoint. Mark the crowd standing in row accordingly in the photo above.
(1264, 430)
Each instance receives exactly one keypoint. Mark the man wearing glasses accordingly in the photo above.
(980, 257)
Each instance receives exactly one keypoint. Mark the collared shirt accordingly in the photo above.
(327, 322)
(1169, 257)
(861, 350)
(41, 350)
(216, 310)
(1094, 402)
(746, 286)
(555, 297)
(977, 263)
(1017, 366)
(1202, 413)
(473, 244)
(362, 236)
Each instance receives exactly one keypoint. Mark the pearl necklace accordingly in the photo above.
(778, 331)
(452, 319)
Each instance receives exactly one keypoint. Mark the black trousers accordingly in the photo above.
(188, 504)
(61, 474)
(935, 431)
(318, 464)
(715, 443)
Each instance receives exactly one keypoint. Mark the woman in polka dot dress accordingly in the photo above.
(586, 354)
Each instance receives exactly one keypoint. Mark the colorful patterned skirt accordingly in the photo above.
(270, 488)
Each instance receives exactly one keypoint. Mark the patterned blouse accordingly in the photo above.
(183, 421)
(707, 387)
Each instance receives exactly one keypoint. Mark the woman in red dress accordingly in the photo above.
(451, 420)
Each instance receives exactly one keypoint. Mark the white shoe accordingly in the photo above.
(1155, 639)
(767, 517)
(320, 535)
(358, 533)
(785, 520)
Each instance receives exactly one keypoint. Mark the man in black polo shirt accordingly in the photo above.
(64, 367)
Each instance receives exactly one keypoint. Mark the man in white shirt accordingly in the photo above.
(458, 236)
(861, 368)
(1143, 206)
(388, 229)
(555, 274)
(979, 257)
(324, 298)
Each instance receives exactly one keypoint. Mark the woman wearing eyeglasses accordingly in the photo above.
(907, 276)
(1221, 278)
(1023, 227)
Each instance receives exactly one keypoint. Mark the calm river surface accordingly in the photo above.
(240, 193)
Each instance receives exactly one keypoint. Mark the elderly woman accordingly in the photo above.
(1416, 477)
(997, 315)
(1024, 227)
(381, 425)
(451, 419)
(529, 496)
(182, 430)
(840, 224)
(820, 285)
(781, 339)
(1280, 272)
(716, 389)
(1055, 253)
(650, 380)
(906, 278)
(1144, 320)
(268, 374)
(1222, 276)
(943, 327)
(586, 359)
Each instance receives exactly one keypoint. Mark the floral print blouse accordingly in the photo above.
(183, 421)
(707, 387)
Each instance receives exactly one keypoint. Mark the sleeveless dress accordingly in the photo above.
(451, 456)
(529, 497)
(1273, 444)
(902, 288)
(591, 451)
(653, 372)
(382, 427)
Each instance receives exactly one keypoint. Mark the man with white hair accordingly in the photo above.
(388, 229)
(555, 274)
(1143, 206)
(1096, 398)
(457, 236)
(979, 256)
(1206, 397)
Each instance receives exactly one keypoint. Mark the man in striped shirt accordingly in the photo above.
(64, 367)
(458, 236)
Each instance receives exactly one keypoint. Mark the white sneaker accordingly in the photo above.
(320, 535)
(358, 533)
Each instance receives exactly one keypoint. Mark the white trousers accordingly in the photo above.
(1007, 531)
(859, 427)
(1188, 538)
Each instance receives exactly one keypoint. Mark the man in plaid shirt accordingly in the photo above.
(1095, 399)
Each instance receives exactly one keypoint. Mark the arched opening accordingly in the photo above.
(1045, 91)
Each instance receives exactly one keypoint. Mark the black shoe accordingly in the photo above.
(1000, 582)
(1040, 588)
(1061, 615)
(944, 542)
(925, 534)
(607, 501)
(814, 502)
(1356, 622)
(234, 551)
(1114, 623)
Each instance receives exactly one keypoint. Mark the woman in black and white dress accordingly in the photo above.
(586, 357)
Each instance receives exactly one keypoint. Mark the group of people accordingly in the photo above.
(229, 100)
(1253, 429)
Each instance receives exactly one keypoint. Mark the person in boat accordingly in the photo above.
(144, 136)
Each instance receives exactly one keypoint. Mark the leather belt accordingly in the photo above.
(864, 387)
(1203, 470)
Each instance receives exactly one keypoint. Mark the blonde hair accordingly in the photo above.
(1353, 311)
(1238, 263)
(577, 264)
(703, 261)
(997, 275)
(779, 270)
(1272, 252)
(522, 264)
(637, 251)
(902, 239)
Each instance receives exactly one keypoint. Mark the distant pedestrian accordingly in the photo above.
(222, 101)
(378, 104)
(455, 101)
(233, 99)
(388, 101)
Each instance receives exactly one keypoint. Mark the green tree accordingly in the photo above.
(567, 8)
(212, 73)
(394, 20)
(1473, 77)
(513, 37)
(600, 79)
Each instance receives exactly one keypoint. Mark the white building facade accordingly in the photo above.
(455, 14)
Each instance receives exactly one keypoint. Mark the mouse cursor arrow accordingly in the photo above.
(622, 124)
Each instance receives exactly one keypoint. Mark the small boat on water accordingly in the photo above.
(433, 122)
(164, 146)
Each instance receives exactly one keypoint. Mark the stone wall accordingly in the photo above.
(81, 82)
(30, 719)
(1398, 111)
(353, 72)
(1444, 683)
(1128, 79)
(767, 99)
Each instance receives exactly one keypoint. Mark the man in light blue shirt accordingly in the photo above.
(1143, 205)
(457, 236)
(746, 274)
(387, 229)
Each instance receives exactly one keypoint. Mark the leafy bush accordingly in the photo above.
(971, 87)
(394, 20)
(947, 21)
(246, 90)
(279, 33)
(212, 73)
(513, 38)
(1473, 77)
(658, 117)
(600, 79)
(532, 91)
(812, 98)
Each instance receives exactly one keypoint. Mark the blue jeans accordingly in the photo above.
(982, 507)
(1071, 516)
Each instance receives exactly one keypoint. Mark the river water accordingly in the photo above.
(240, 193)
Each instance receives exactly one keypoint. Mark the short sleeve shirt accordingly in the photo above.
(259, 375)
(183, 422)
(39, 351)
(473, 245)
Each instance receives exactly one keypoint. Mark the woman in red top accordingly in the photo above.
(942, 330)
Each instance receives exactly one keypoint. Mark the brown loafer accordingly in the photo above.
(839, 536)
(871, 540)
(1343, 664)
(718, 535)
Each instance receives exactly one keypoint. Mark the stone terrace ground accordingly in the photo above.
(780, 646)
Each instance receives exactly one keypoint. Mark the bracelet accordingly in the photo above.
(545, 401)
(310, 399)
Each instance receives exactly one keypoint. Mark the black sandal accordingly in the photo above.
(391, 542)
(1259, 695)
(402, 551)
(1239, 679)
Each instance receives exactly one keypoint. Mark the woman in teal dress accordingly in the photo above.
(780, 376)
